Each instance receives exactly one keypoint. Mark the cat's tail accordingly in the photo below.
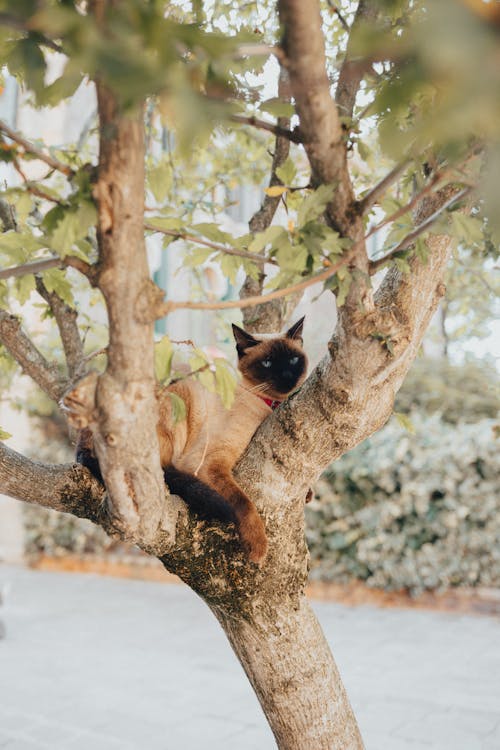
(202, 499)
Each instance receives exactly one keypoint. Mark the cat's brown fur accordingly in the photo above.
(199, 452)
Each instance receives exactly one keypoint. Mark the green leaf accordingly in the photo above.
(225, 381)
(166, 222)
(163, 354)
(27, 59)
(62, 88)
(287, 172)
(4, 435)
(56, 281)
(405, 422)
(159, 180)
(19, 246)
(364, 151)
(467, 229)
(277, 107)
(213, 233)
(314, 204)
(199, 255)
(291, 257)
(344, 284)
(230, 265)
(268, 237)
(402, 265)
(23, 286)
(73, 226)
(178, 407)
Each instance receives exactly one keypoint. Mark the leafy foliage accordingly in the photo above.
(411, 512)
(457, 393)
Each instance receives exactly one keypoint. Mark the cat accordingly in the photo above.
(199, 452)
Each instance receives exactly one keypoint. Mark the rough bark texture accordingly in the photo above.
(291, 668)
(121, 411)
(66, 319)
(31, 360)
(323, 136)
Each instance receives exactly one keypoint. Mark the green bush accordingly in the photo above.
(459, 393)
(413, 512)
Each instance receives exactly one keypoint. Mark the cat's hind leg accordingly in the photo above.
(85, 453)
(248, 522)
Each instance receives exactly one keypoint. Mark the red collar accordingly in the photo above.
(269, 401)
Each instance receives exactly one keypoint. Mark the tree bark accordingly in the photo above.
(291, 668)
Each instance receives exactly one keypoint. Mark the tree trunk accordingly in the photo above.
(290, 666)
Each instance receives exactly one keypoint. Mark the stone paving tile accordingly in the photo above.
(452, 729)
(105, 664)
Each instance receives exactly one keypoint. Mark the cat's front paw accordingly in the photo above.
(253, 536)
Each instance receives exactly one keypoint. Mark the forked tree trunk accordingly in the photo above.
(291, 668)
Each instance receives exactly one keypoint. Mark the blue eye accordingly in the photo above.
(294, 360)
(266, 363)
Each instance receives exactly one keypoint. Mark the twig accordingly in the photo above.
(337, 11)
(190, 374)
(97, 353)
(373, 196)
(255, 257)
(32, 149)
(423, 227)
(254, 50)
(410, 205)
(168, 307)
(66, 319)
(354, 68)
(292, 135)
(38, 266)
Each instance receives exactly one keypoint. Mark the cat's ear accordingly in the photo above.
(295, 332)
(243, 340)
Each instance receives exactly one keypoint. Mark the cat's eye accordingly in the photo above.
(266, 363)
(294, 360)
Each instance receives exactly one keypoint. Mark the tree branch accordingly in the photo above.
(35, 150)
(37, 266)
(321, 128)
(353, 69)
(66, 319)
(7, 217)
(121, 407)
(167, 307)
(254, 257)
(31, 360)
(291, 135)
(68, 488)
(339, 15)
(410, 238)
(270, 315)
(380, 189)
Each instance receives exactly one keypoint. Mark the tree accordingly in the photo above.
(408, 107)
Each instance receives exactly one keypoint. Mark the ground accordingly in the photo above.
(99, 663)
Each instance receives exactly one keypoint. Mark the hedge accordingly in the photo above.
(411, 512)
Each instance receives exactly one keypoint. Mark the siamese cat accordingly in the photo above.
(198, 453)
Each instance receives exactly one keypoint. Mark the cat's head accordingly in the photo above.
(273, 364)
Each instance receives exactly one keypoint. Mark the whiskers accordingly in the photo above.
(258, 388)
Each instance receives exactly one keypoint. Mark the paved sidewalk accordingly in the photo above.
(94, 663)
